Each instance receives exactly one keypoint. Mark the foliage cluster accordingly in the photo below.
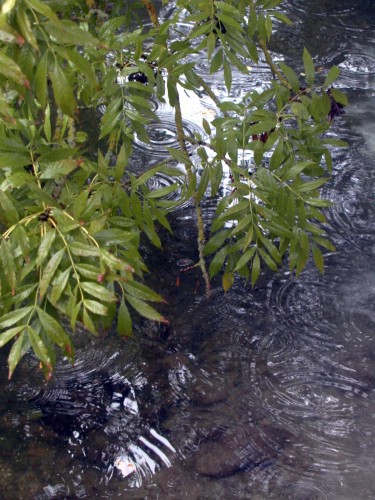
(71, 224)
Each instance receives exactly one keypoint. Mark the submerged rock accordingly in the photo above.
(239, 449)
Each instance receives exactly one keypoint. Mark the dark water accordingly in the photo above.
(264, 393)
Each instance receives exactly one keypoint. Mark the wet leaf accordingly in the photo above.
(333, 74)
(12, 71)
(216, 241)
(291, 76)
(141, 291)
(227, 74)
(12, 317)
(19, 349)
(244, 259)
(59, 285)
(309, 67)
(49, 271)
(255, 269)
(217, 262)
(41, 350)
(310, 186)
(8, 263)
(339, 96)
(55, 331)
(63, 91)
(144, 309)
(98, 291)
(10, 334)
(227, 281)
(217, 61)
(43, 9)
(83, 250)
(10, 215)
(45, 246)
(318, 259)
(95, 307)
(41, 79)
(26, 29)
(124, 321)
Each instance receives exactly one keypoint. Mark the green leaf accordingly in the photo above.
(40, 349)
(227, 281)
(164, 191)
(43, 9)
(300, 110)
(12, 317)
(244, 259)
(206, 126)
(49, 271)
(309, 67)
(19, 179)
(22, 239)
(216, 241)
(12, 71)
(180, 156)
(303, 253)
(282, 17)
(8, 263)
(58, 169)
(144, 309)
(63, 91)
(25, 28)
(98, 291)
(226, 7)
(318, 202)
(114, 236)
(141, 291)
(166, 169)
(339, 97)
(324, 243)
(124, 321)
(227, 74)
(40, 79)
(19, 349)
(47, 123)
(13, 159)
(10, 334)
(70, 33)
(268, 260)
(296, 169)
(242, 224)
(290, 76)
(333, 73)
(211, 42)
(55, 331)
(10, 215)
(57, 154)
(121, 162)
(310, 186)
(318, 259)
(83, 250)
(45, 246)
(59, 285)
(172, 91)
(88, 322)
(95, 307)
(218, 262)
(255, 269)
(217, 61)
(278, 156)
